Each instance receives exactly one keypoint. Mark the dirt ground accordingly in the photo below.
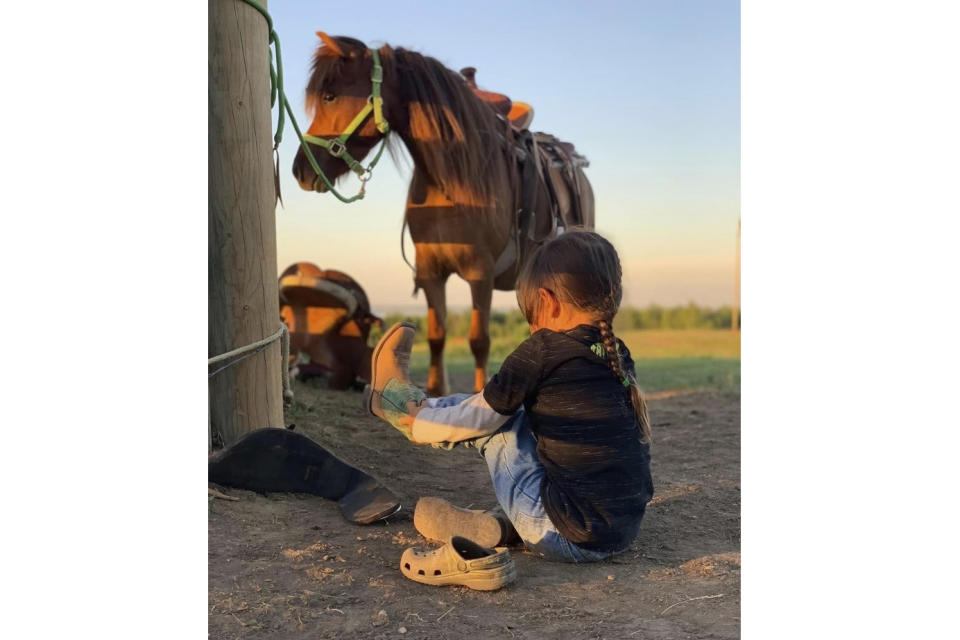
(290, 566)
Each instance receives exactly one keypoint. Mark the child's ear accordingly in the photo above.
(549, 305)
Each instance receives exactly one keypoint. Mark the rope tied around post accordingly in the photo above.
(242, 353)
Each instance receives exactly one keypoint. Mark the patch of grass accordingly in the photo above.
(665, 358)
(660, 374)
(680, 343)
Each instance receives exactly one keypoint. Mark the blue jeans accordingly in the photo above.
(517, 474)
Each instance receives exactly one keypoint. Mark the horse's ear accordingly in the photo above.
(332, 48)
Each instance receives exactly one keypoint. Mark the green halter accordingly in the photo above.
(276, 91)
(337, 147)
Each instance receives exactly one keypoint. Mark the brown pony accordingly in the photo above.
(466, 189)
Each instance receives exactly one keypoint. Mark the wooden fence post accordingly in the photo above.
(243, 305)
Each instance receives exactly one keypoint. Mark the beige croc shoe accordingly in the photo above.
(437, 519)
(460, 562)
(390, 387)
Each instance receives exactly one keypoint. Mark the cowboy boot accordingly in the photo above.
(390, 388)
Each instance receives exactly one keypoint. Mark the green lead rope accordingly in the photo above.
(336, 147)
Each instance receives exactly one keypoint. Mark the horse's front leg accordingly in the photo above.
(435, 291)
(482, 293)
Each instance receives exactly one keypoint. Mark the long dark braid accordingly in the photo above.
(583, 269)
(627, 380)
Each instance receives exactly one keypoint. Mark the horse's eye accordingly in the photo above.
(329, 97)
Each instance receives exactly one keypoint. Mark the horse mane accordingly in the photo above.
(454, 136)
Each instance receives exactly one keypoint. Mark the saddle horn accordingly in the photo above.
(469, 74)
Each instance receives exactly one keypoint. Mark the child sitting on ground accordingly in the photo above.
(563, 426)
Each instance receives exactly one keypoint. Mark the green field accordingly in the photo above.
(665, 358)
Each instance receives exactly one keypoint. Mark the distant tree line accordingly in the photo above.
(690, 316)
(512, 324)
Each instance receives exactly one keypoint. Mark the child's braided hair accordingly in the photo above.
(583, 269)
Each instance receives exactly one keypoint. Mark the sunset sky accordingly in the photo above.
(648, 91)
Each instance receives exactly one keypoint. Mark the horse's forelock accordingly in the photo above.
(328, 65)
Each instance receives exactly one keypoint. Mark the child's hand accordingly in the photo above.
(413, 408)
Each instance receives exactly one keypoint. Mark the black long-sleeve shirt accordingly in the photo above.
(597, 480)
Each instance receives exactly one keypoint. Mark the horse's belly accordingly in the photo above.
(440, 259)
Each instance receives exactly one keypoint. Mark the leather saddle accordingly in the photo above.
(518, 114)
(557, 163)
(539, 155)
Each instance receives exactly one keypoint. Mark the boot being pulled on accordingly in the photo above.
(390, 390)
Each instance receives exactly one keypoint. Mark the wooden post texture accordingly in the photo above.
(243, 305)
